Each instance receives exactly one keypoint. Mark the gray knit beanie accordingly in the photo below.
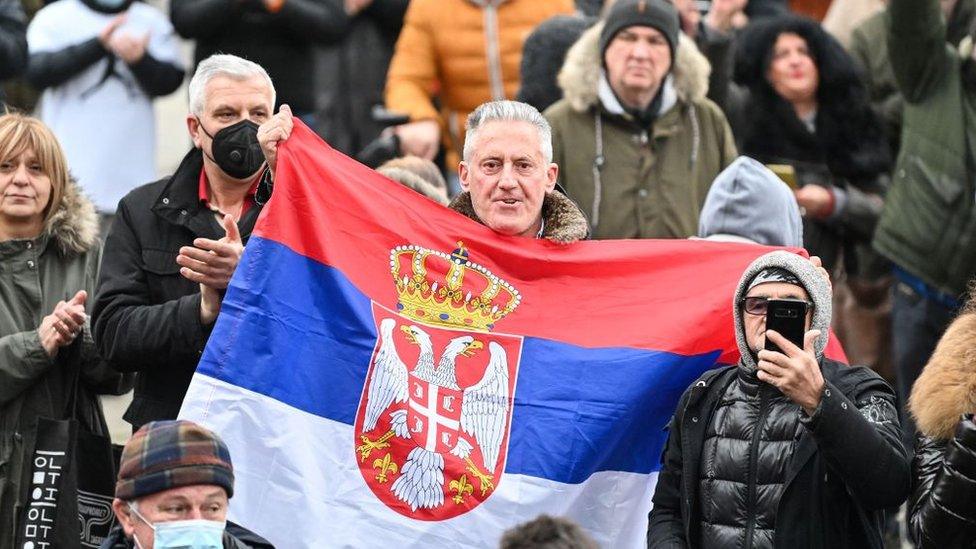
(817, 287)
(657, 14)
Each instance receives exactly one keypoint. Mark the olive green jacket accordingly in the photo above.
(654, 180)
(34, 275)
(928, 227)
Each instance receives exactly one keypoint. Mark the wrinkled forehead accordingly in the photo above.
(237, 93)
(508, 139)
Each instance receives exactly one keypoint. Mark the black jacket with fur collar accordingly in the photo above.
(943, 401)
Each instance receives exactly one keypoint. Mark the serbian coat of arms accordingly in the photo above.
(434, 418)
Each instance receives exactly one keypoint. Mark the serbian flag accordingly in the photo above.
(387, 370)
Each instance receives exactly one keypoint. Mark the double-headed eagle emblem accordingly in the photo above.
(440, 420)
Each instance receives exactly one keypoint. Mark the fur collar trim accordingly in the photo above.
(581, 73)
(946, 389)
(564, 221)
(74, 227)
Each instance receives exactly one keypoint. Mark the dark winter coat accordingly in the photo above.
(280, 42)
(654, 178)
(147, 315)
(943, 505)
(351, 75)
(847, 152)
(928, 227)
(13, 40)
(35, 274)
(845, 467)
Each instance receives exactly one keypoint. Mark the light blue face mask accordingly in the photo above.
(185, 534)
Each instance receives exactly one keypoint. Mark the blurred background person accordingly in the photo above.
(419, 174)
(279, 35)
(13, 41)
(100, 63)
(49, 256)
(452, 56)
(927, 227)
(636, 140)
(350, 74)
(748, 203)
(942, 510)
(545, 532)
(806, 107)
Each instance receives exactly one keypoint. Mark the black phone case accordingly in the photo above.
(788, 318)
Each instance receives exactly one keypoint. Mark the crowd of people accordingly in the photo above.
(634, 119)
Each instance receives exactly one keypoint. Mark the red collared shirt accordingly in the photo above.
(205, 194)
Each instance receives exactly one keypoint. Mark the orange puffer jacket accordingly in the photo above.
(464, 51)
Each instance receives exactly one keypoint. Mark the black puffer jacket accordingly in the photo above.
(751, 419)
(146, 316)
(943, 505)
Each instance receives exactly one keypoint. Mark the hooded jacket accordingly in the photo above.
(653, 179)
(468, 50)
(845, 152)
(943, 401)
(746, 467)
(750, 202)
(35, 274)
(562, 219)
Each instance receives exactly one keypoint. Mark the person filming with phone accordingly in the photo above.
(787, 448)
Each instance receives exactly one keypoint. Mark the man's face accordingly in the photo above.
(637, 60)
(196, 502)
(508, 177)
(227, 102)
(755, 325)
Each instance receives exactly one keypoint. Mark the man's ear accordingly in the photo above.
(193, 127)
(463, 174)
(124, 516)
(552, 175)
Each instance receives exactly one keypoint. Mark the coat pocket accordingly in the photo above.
(163, 276)
(926, 199)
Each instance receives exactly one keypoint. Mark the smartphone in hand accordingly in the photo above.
(788, 318)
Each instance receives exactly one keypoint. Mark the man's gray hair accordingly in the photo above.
(230, 66)
(507, 111)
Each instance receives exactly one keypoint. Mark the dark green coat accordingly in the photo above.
(928, 226)
(34, 275)
(655, 179)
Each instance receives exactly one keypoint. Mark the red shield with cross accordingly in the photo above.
(435, 414)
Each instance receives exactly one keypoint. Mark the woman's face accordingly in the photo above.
(25, 189)
(792, 72)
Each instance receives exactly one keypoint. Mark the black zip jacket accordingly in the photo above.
(844, 471)
(146, 316)
(280, 42)
(943, 510)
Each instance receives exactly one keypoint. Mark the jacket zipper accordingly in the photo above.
(493, 53)
(754, 468)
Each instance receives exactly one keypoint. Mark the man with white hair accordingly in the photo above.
(176, 242)
(507, 173)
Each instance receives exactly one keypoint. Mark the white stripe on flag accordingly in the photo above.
(298, 485)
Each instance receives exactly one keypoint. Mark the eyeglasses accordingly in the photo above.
(757, 305)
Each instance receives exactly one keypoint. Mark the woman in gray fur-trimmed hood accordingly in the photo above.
(49, 256)
(943, 402)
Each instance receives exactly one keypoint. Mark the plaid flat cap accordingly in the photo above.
(169, 454)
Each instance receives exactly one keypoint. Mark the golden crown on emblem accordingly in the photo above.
(467, 296)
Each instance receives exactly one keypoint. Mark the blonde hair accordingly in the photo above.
(19, 133)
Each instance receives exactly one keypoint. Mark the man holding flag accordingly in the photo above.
(385, 367)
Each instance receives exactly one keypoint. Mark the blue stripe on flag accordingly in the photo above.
(298, 331)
